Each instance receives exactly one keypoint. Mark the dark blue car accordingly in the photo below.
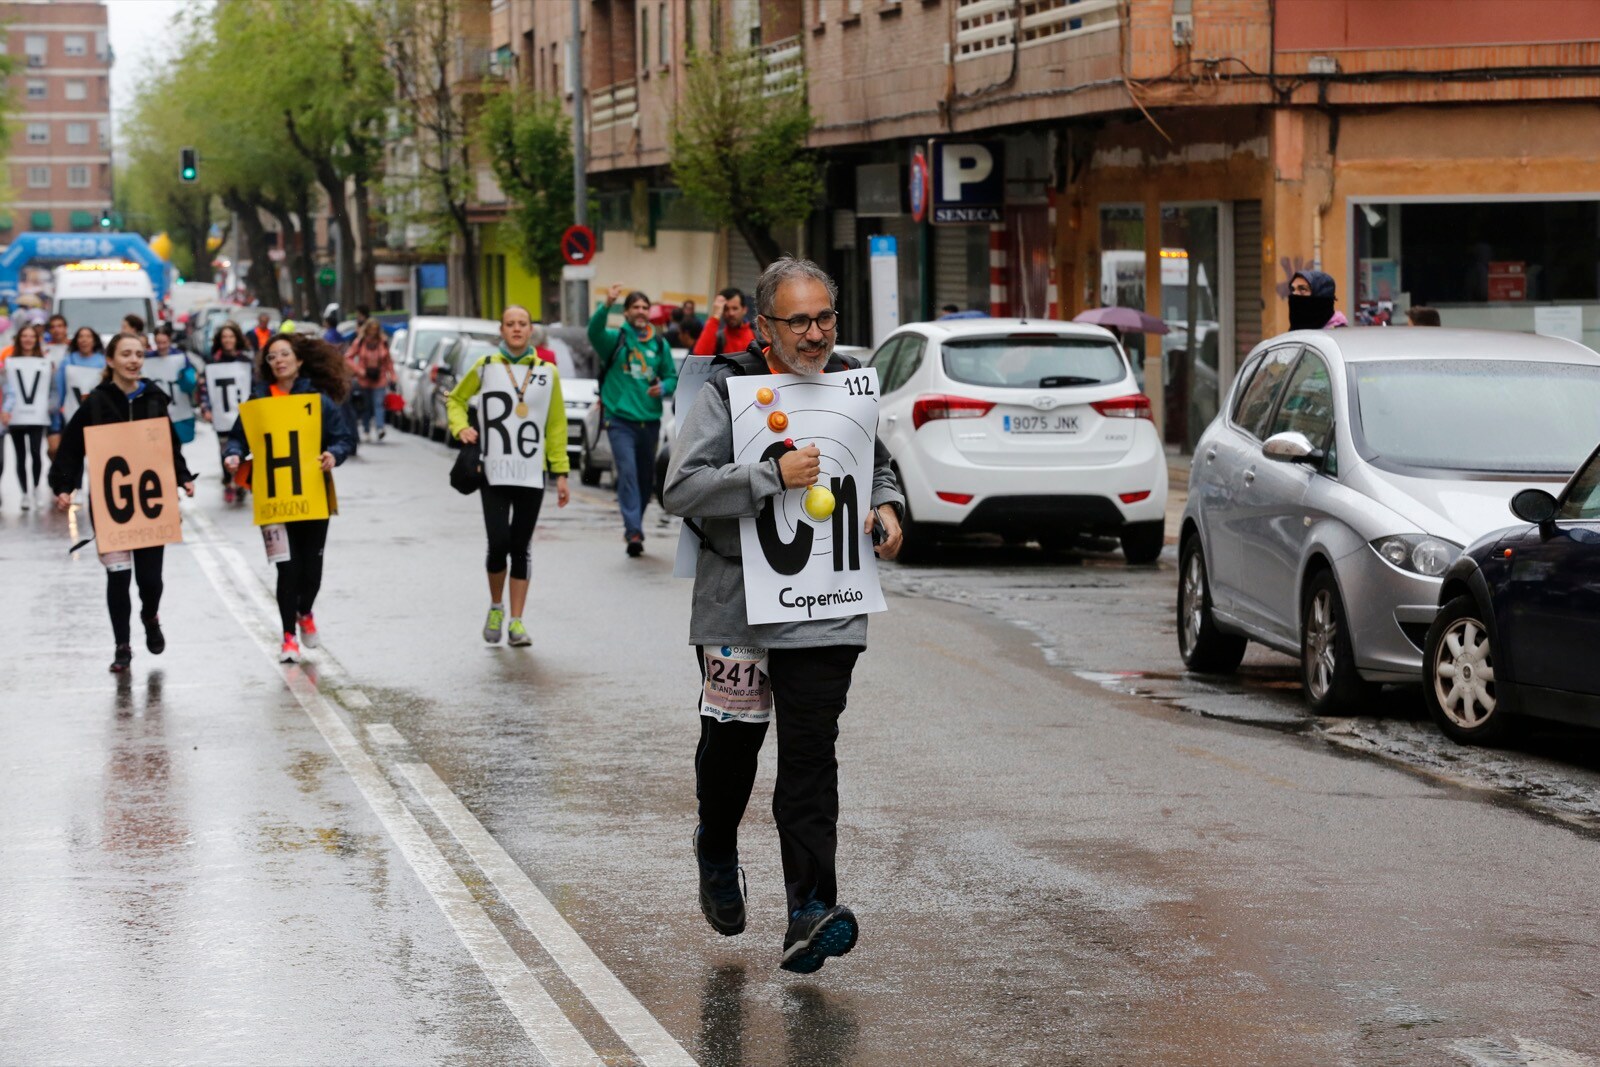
(1518, 631)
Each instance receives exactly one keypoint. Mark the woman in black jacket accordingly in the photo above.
(294, 363)
(122, 396)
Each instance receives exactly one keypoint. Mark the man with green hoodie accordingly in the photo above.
(636, 371)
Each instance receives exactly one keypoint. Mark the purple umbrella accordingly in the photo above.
(1128, 320)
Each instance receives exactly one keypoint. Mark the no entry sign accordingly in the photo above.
(577, 245)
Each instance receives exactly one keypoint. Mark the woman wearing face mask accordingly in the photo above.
(26, 437)
(122, 396)
(227, 346)
(511, 382)
(294, 364)
(636, 371)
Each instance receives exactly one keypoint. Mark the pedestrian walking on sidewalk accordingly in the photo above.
(808, 664)
(636, 371)
(122, 396)
(518, 388)
(297, 364)
(370, 363)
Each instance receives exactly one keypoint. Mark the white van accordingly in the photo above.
(98, 292)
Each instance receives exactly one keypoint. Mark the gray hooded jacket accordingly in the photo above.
(704, 482)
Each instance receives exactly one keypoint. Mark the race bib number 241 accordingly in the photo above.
(738, 686)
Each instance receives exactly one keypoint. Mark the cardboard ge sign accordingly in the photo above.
(133, 488)
(285, 435)
(796, 566)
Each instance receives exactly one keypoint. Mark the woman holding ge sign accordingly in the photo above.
(293, 444)
(524, 434)
(124, 396)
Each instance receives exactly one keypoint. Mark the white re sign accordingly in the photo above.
(513, 445)
(797, 567)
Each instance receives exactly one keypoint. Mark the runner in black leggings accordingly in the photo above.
(26, 439)
(122, 397)
(512, 378)
(290, 364)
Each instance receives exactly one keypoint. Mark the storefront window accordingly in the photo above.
(1122, 270)
(1482, 264)
(1189, 350)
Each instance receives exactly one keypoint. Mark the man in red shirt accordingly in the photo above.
(727, 331)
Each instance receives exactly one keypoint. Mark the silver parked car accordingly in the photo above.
(1346, 472)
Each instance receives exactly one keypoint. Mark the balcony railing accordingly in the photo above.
(985, 27)
(782, 66)
(614, 105)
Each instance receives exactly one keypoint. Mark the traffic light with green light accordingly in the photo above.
(105, 220)
(188, 164)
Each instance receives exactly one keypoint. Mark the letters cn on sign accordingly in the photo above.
(285, 434)
(133, 488)
(796, 567)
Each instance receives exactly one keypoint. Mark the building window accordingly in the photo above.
(644, 38)
(38, 177)
(38, 133)
(665, 37)
(77, 90)
(75, 44)
(38, 89)
(77, 133)
(37, 48)
(77, 177)
(105, 133)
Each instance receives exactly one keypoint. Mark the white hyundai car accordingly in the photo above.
(1032, 430)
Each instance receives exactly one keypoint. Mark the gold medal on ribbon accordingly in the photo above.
(522, 405)
(522, 409)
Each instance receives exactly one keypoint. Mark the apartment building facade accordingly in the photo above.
(60, 157)
(1183, 156)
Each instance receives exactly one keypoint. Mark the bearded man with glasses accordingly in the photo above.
(809, 663)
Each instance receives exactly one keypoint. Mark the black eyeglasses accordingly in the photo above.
(800, 325)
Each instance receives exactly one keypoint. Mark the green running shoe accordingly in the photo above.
(519, 635)
(494, 626)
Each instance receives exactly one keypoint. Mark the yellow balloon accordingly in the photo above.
(161, 245)
(818, 503)
(213, 243)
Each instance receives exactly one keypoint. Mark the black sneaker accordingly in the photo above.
(635, 546)
(721, 897)
(123, 659)
(817, 932)
(154, 639)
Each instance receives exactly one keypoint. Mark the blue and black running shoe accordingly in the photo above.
(816, 932)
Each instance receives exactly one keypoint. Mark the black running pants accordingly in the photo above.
(510, 513)
(147, 572)
(30, 438)
(301, 577)
(809, 687)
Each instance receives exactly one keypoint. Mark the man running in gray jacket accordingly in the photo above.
(809, 663)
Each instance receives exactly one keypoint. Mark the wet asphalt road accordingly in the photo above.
(418, 849)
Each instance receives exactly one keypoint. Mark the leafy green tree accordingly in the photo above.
(528, 138)
(739, 149)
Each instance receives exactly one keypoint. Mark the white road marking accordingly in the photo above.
(558, 1042)
(354, 698)
(621, 1010)
(385, 734)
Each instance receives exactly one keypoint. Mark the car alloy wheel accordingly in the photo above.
(1463, 674)
(1321, 645)
(1192, 601)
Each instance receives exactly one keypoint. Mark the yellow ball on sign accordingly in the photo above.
(818, 503)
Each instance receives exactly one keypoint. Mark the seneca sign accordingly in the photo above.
(969, 181)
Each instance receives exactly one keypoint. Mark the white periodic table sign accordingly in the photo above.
(799, 566)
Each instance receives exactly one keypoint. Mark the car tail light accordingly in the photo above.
(938, 406)
(1134, 498)
(955, 498)
(1132, 406)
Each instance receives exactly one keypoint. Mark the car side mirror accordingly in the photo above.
(1291, 446)
(1535, 506)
